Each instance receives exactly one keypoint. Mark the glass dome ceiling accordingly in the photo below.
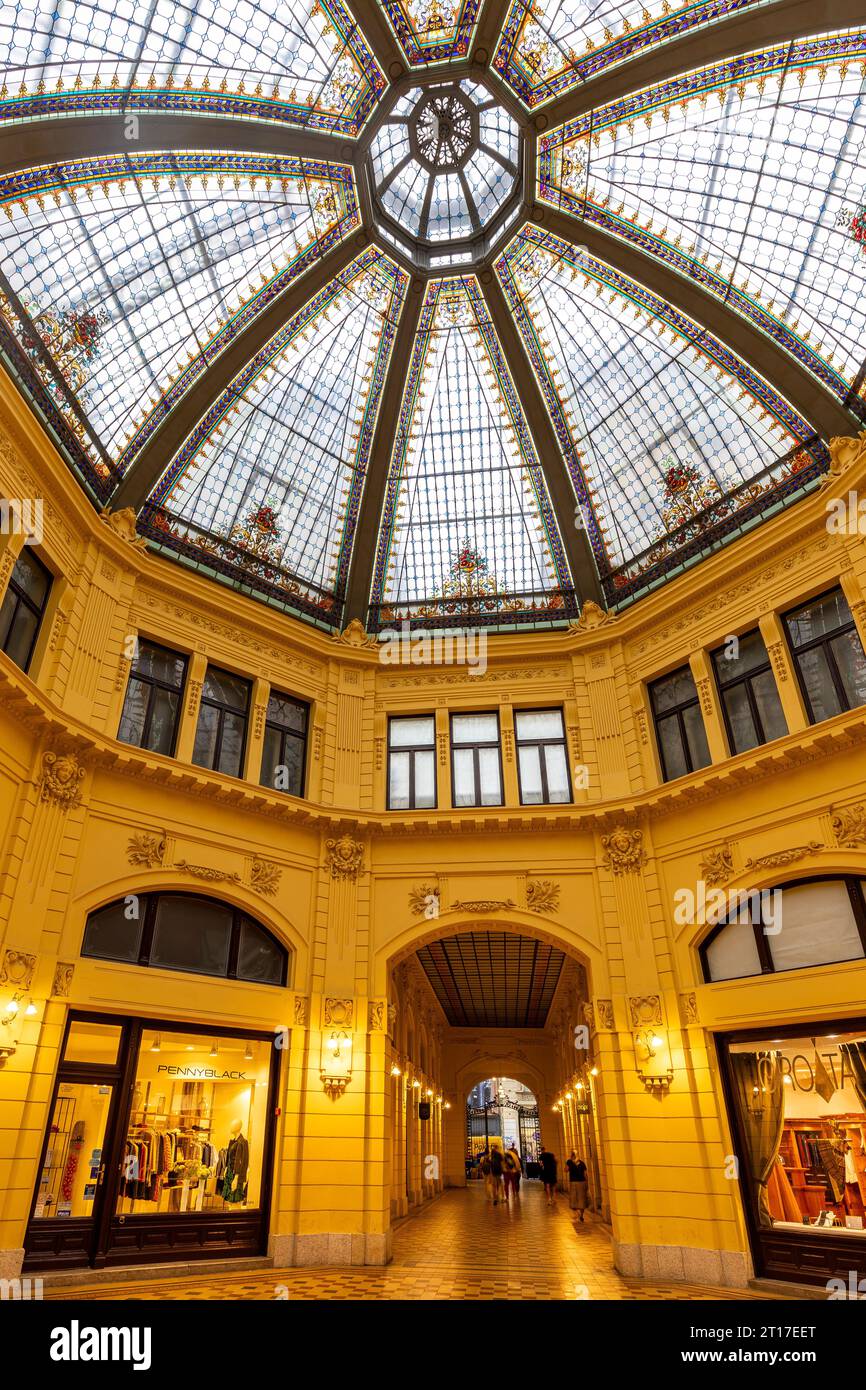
(434, 310)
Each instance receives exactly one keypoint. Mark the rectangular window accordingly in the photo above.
(476, 764)
(412, 763)
(284, 752)
(151, 710)
(542, 757)
(828, 655)
(220, 738)
(680, 732)
(750, 701)
(23, 608)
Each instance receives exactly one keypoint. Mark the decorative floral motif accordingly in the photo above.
(345, 857)
(265, 877)
(623, 851)
(61, 780)
(146, 851)
(717, 865)
(542, 896)
(854, 220)
(849, 826)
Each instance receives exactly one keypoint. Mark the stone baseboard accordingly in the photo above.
(11, 1262)
(729, 1269)
(329, 1249)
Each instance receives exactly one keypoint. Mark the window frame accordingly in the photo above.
(542, 743)
(477, 804)
(856, 896)
(285, 733)
(148, 927)
(154, 684)
(746, 679)
(412, 748)
(22, 599)
(823, 641)
(223, 711)
(678, 711)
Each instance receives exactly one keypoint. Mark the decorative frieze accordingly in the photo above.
(785, 856)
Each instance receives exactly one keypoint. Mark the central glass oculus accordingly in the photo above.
(444, 165)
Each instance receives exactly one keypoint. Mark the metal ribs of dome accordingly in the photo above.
(558, 270)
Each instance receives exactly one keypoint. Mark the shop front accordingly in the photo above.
(797, 1103)
(159, 1146)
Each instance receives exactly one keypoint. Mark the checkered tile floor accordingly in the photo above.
(458, 1248)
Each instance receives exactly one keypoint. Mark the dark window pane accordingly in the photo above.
(225, 688)
(750, 653)
(191, 935)
(31, 578)
(673, 690)
(819, 684)
(851, 665)
(232, 747)
(131, 728)
(819, 618)
(744, 735)
(696, 736)
(259, 958)
(163, 720)
(671, 744)
(769, 706)
(7, 612)
(114, 935)
(160, 664)
(19, 642)
(204, 751)
(288, 713)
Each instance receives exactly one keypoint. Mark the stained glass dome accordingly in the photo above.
(434, 310)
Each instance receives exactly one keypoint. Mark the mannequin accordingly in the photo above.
(237, 1164)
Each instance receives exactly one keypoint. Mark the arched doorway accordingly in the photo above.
(504, 1111)
(496, 1000)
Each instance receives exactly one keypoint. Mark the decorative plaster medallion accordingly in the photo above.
(849, 826)
(123, 524)
(146, 851)
(623, 851)
(62, 982)
(355, 635)
(338, 1013)
(542, 895)
(60, 781)
(345, 857)
(717, 865)
(17, 969)
(645, 1009)
(265, 877)
(592, 616)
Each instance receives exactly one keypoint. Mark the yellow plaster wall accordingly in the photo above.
(347, 1167)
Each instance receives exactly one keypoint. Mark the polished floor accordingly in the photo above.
(458, 1248)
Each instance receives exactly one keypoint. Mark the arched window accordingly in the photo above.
(806, 922)
(182, 931)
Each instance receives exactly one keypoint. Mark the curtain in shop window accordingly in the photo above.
(856, 1054)
(760, 1097)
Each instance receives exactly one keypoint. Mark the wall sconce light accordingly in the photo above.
(648, 1044)
(416, 1085)
(336, 1064)
(9, 1045)
(395, 1070)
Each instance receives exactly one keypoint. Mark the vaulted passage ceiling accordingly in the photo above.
(493, 979)
(454, 311)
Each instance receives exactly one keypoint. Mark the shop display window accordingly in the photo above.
(800, 1107)
(195, 1138)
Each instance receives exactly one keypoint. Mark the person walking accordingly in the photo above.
(513, 1169)
(548, 1173)
(497, 1168)
(578, 1186)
